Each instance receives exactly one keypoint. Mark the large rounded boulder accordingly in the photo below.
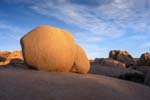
(48, 48)
(81, 64)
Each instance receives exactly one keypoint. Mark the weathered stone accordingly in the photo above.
(40, 85)
(111, 71)
(112, 63)
(145, 59)
(81, 64)
(50, 49)
(122, 56)
(147, 79)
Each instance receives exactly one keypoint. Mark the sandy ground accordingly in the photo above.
(21, 84)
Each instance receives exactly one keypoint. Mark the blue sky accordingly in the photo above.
(97, 25)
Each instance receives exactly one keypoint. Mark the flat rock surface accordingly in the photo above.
(20, 84)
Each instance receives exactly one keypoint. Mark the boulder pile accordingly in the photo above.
(122, 56)
(122, 65)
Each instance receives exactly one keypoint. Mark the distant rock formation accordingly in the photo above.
(49, 49)
(14, 57)
(112, 71)
(122, 65)
(108, 62)
(145, 59)
(122, 56)
(113, 68)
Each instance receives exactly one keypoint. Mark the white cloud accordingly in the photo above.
(87, 38)
(9, 27)
(78, 15)
(109, 20)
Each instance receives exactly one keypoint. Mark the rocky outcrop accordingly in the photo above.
(147, 79)
(14, 57)
(52, 49)
(122, 56)
(146, 72)
(40, 85)
(144, 69)
(144, 59)
(97, 61)
(81, 64)
(135, 77)
(113, 63)
(108, 62)
(112, 71)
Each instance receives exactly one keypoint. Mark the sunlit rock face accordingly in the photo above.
(10, 57)
(48, 48)
(81, 64)
(122, 56)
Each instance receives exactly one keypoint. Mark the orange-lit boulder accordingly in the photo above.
(48, 48)
(81, 64)
(7, 57)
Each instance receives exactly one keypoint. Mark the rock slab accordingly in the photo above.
(39, 85)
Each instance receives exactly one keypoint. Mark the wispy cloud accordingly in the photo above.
(106, 18)
(94, 50)
(84, 17)
(9, 27)
(109, 19)
(10, 36)
(87, 38)
(10, 32)
(99, 20)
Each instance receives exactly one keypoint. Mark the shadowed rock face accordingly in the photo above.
(108, 62)
(112, 71)
(122, 56)
(147, 78)
(38, 85)
(48, 48)
(145, 59)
